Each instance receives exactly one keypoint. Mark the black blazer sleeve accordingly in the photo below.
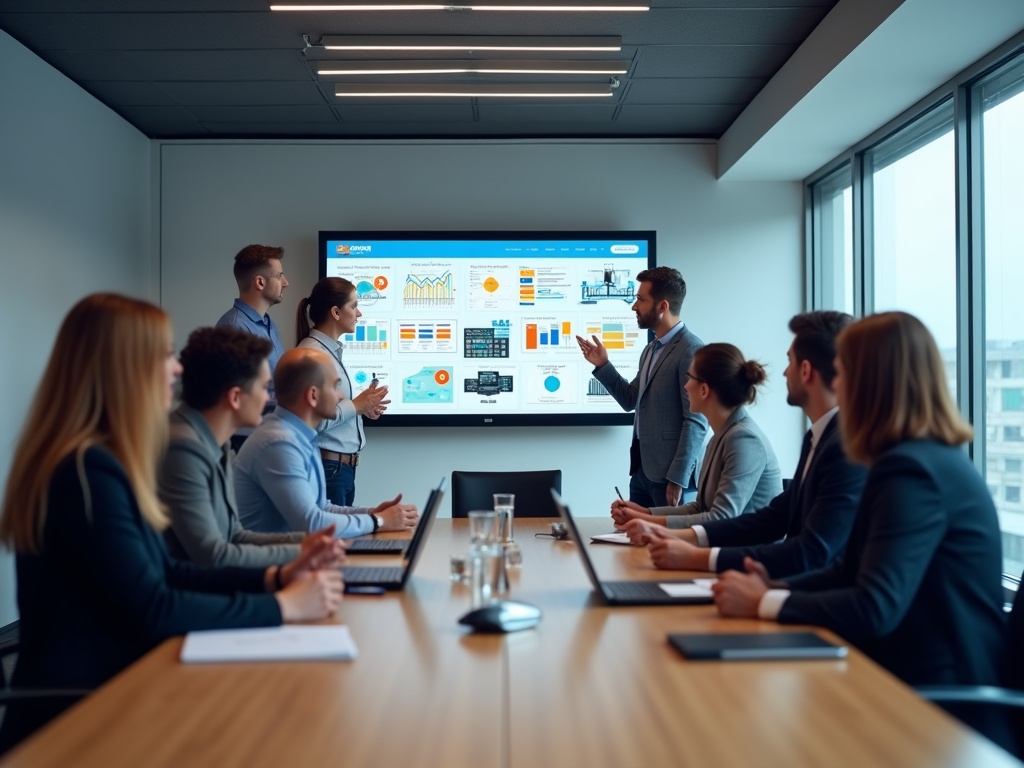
(903, 522)
(127, 562)
(818, 528)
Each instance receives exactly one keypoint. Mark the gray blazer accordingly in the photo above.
(670, 436)
(740, 474)
(196, 484)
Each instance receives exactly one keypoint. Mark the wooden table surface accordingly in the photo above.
(590, 686)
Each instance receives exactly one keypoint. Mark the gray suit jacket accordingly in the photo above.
(670, 436)
(196, 484)
(740, 474)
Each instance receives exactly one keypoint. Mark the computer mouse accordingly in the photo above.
(504, 616)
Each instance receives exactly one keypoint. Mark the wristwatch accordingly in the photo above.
(378, 522)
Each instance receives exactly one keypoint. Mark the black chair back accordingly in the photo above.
(475, 490)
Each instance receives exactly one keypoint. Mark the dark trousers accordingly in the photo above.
(341, 482)
(647, 492)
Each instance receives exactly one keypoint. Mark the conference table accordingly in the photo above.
(589, 686)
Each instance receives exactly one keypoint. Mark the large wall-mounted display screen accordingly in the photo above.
(479, 328)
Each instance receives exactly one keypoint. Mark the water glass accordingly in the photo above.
(505, 505)
(484, 551)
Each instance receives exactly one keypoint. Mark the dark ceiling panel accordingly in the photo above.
(293, 114)
(260, 94)
(162, 120)
(224, 68)
(679, 121)
(179, 65)
(407, 113)
(561, 113)
(120, 94)
(694, 90)
(712, 61)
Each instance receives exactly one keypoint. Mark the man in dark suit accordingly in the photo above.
(664, 459)
(814, 515)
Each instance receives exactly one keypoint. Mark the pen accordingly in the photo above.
(619, 492)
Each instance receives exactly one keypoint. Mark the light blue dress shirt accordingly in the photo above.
(280, 485)
(246, 318)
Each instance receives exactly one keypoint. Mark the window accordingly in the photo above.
(910, 189)
(832, 240)
(1000, 101)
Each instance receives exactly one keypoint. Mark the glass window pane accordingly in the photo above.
(833, 239)
(1002, 104)
(911, 182)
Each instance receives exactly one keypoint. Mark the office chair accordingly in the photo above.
(474, 490)
(47, 702)
(1009, 698)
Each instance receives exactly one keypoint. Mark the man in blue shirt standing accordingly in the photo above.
(261, 284)
(279, 478)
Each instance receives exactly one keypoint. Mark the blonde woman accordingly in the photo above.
(96, 587)
(919, 586)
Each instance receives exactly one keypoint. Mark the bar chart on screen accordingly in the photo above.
(548, 334)
(371, 337)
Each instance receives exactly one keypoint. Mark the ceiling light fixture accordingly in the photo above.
(591, 6)
(370, 90)
(468, 43)
(472, 66)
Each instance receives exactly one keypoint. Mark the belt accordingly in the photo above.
(352, 459)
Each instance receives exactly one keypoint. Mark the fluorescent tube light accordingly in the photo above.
(468, 43)
(472, 66)
(591, 6)
(372, 90)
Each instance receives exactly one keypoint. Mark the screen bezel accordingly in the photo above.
(495, 419)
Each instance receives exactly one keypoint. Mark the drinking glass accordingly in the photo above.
(505, 505)
(484, 551)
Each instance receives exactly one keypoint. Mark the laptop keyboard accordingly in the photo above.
(636, 590)
(366, 545)
(371, 575)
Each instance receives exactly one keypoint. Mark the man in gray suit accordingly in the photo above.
(225, 387)
(664, 458)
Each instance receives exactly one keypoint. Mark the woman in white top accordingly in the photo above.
(330, 310)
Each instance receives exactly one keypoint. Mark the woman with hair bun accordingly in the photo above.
(331, 309)
(739, 473)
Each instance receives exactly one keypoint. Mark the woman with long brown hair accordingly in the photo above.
(96, 586)
(919, 586)
(330, 310)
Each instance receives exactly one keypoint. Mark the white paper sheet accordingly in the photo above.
(611, 538)
(289, 643)
(687, 590)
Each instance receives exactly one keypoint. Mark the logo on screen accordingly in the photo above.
(343, 250)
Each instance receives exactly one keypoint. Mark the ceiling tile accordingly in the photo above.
(179, 65)
(693, 90)
(244, 94)
(162, 121)
(533, 113)
(293, 114)
(680, 120)
(712, 61)
(406, 113)
(131, 94)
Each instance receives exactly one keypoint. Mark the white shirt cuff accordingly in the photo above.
(771, 603)
(713, 559)
(702, 535)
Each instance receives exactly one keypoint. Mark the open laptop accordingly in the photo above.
(395, 577)
(628, 592)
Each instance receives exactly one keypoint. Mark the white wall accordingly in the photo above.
(74, 219)
(738, 244)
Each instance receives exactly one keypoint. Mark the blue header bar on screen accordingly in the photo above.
(485, 249)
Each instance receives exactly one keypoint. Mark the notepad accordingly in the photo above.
(686, 589)
(611, 538)
(290, 643)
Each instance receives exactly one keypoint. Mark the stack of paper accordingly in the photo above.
(291, 643)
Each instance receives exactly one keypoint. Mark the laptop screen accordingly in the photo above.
(426, 521)
(574, 534)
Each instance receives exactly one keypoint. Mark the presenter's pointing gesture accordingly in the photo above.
(594, 352)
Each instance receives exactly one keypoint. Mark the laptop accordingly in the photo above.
(631, 592)
(395, 577)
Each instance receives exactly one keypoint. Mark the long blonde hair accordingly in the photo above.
(103, 385)
(895, 385)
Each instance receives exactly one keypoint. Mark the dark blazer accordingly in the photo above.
(919, 588)
(103, 590)
(671, 437)
(814, 516)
